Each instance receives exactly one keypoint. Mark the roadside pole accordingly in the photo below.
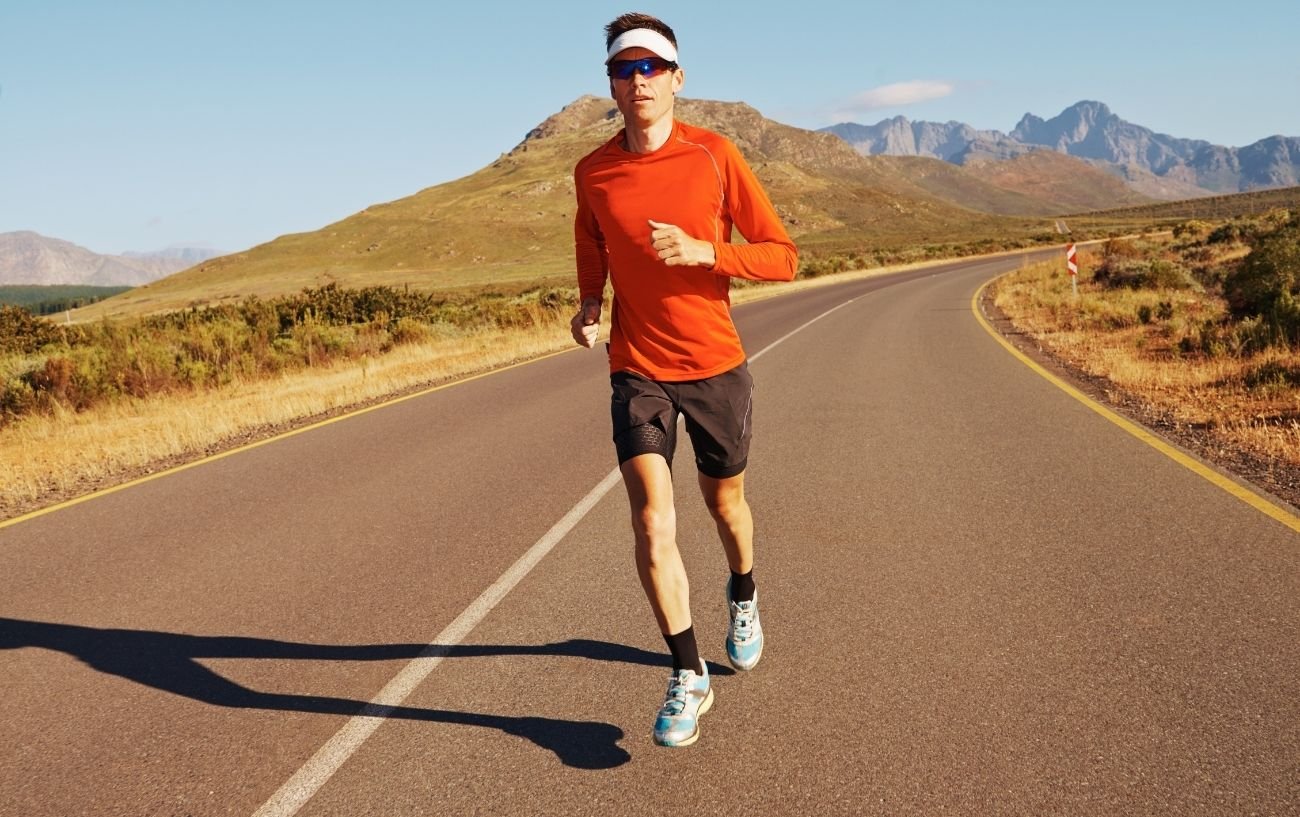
(1072, 264)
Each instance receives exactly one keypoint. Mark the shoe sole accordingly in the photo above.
(704, 707)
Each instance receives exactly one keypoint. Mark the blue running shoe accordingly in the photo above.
(689, 696)
(745, 633)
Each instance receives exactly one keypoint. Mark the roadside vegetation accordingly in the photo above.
(47, 368)
(84, 405)
(1201, 326)
(814, 263)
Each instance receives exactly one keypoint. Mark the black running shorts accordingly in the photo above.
(718, 418)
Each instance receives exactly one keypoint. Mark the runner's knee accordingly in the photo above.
(725, 506)
(655, 526)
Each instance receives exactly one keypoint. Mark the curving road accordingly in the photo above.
(981, 598)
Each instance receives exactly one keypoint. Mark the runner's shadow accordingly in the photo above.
(168, 662)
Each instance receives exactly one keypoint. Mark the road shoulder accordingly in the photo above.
(1278, 479)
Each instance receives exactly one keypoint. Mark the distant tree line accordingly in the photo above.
(51, 300)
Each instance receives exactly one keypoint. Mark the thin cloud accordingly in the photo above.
(896, 95)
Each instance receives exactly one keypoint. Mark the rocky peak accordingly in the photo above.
(580, 114)
(1071, 126)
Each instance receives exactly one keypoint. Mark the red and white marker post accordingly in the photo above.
(1072, 264)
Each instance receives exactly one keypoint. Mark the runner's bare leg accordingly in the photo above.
(725, 499)
(649, 484)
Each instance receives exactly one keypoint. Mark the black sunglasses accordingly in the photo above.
(647, 67)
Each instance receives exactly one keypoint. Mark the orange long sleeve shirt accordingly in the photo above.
(674, 323)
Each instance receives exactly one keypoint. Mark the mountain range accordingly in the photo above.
(1155, 164)
(28, 258)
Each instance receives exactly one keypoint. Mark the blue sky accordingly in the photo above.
(138, 125)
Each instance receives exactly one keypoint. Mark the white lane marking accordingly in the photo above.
(304, 783)
(327, 760)
(799, 329)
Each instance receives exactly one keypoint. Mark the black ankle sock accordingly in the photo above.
(686, 655)
(742, 586)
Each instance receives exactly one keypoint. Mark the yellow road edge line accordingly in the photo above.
(276, 438)
(1197, 467)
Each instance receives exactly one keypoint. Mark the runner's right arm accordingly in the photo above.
(593, 268)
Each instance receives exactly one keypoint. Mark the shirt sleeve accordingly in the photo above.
(589, 246)
(770, 255)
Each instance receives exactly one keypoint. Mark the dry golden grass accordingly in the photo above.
(43, 458)
(1100, 333)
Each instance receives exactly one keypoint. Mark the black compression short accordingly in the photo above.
(718, 413)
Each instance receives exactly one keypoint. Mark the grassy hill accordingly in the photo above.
(1207, 207)
(511, 222)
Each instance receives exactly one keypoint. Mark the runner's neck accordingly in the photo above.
(648, 139)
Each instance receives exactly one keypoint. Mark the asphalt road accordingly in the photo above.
(981, 597)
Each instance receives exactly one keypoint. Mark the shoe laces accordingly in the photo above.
(742, 619)
(678, 689)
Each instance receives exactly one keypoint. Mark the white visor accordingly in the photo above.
(643, 38)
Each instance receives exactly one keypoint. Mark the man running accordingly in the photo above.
(655, 209)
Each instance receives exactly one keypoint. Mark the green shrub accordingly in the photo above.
(1163, 273)
(409, 330)
(1118, 271)
(1272, 374)
(17, 398)
(1268, 277)
(1118, 257)
(1191, 229)
(1225, 234)
(1206, 339)
(23, 333)
(194, 373)
(1139, 273)
(1162, 311)
(1273, 220)
(813, 267)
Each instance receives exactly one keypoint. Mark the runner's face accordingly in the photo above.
(644, 100)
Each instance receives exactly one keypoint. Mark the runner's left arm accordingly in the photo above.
(769, 255)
